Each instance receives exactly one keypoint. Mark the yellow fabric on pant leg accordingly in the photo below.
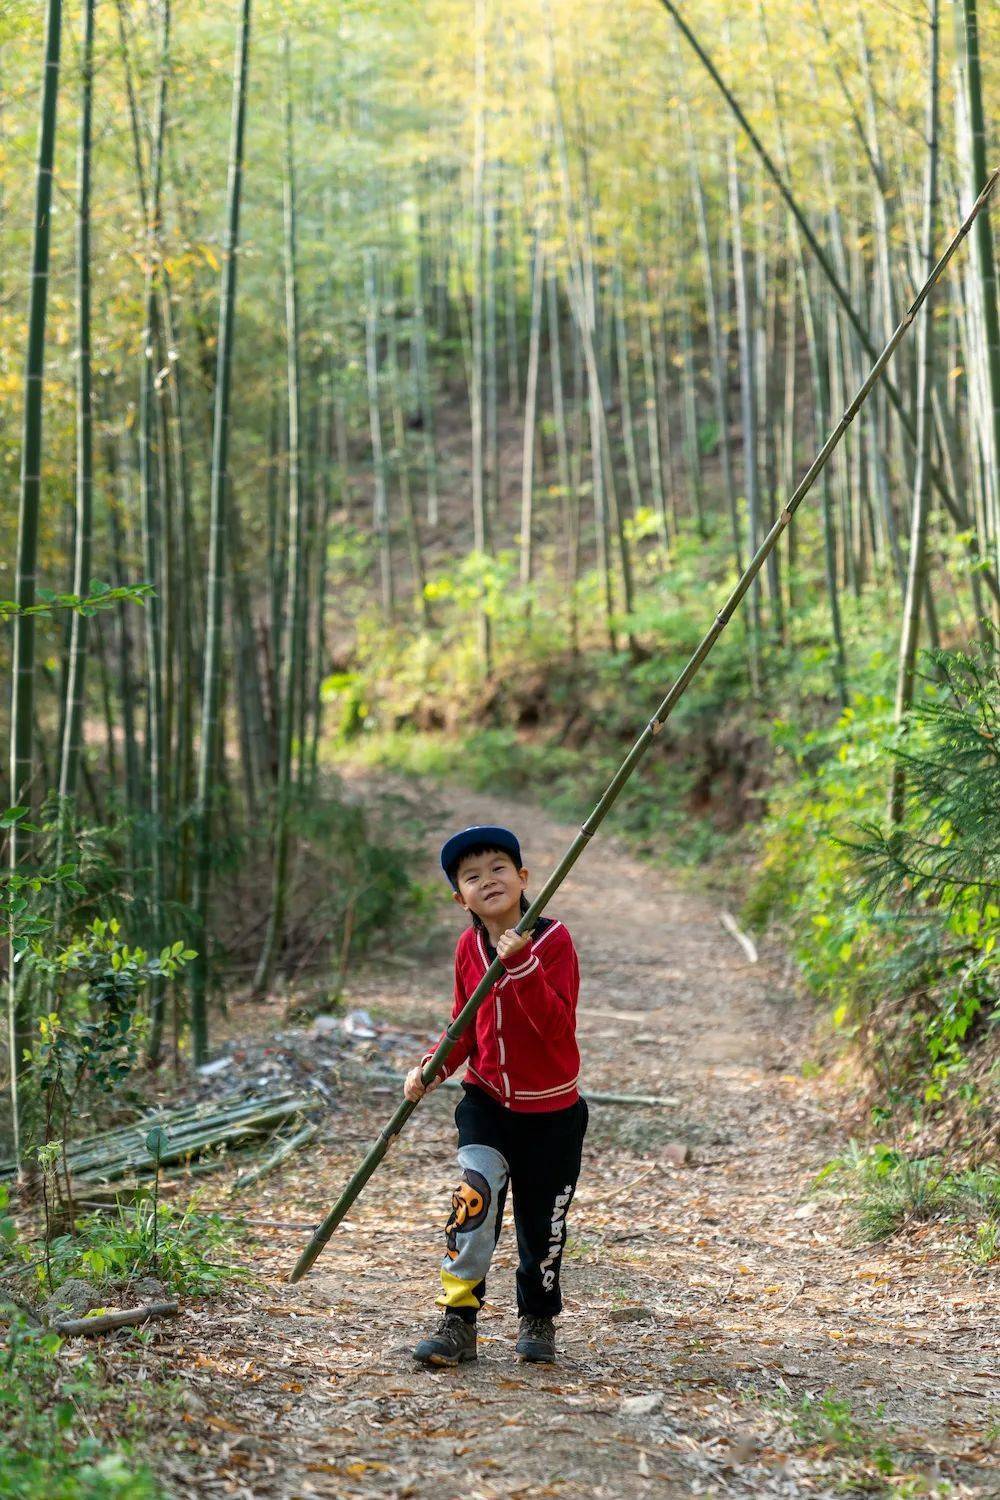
(456, 1292)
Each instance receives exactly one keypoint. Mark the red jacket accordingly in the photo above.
(521, 1047)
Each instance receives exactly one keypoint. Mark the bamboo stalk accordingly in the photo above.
(291, 634)
(531, 407)
(418, 580)
(22, 710)
(465, 1017)
(953, 502)
(420, 365)
(624, 384)
(216, 556)
(151, 520)
(74, 702)
(107, 1322)
(479, 519)
(985, 256)
(285, 1149)
(380, 511)
(917, 579)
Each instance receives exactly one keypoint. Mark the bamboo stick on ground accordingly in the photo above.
(107, 1322)
(654, 1101)
(747, 944)
(123, 1151)
(195, 1117)
(205, 1113)
(657, 1101)
(465, 1017)
(458, 1026)
(285, 1149)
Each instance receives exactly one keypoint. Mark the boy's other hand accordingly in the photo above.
(413, 1084)
(511, 942)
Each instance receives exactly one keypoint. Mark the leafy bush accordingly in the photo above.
(88, 1043)
(886, 1190)
(949, 852)
(178, 1245)
(49, 1411)
(897, 928)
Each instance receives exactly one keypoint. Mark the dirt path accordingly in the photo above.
(717, 1291)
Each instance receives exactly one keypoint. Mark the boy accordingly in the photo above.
(521, 1120)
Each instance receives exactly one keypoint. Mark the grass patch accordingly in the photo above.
(185, 1249)
(830, 1421)
(63, 1407)
(179, 1245)
(53, 1407)
(887, 1191)
(856, 1442)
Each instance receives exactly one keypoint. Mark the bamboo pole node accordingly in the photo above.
(655, 725)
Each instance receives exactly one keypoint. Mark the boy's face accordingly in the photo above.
(489, 884)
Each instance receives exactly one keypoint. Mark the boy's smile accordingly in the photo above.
(490, 886)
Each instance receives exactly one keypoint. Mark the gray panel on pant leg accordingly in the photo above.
(471, 1231)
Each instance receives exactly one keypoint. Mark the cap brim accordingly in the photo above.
(474, 838)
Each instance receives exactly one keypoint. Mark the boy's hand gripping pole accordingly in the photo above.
(465, 1017)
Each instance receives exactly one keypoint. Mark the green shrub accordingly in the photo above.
(50, 1409)
(886, 1191)
(896, 928)
(178, 1245)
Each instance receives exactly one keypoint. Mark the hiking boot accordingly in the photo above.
(452, 1343)
(536, 1340)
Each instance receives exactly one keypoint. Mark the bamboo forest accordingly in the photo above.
(500, 630)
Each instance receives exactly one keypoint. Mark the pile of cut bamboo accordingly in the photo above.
(192, 1130)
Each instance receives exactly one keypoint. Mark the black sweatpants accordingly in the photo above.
(538, 1157)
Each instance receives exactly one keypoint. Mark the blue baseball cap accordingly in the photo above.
(478, 837)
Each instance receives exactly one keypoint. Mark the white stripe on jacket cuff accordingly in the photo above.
(523, 969)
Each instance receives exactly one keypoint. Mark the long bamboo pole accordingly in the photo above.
(22, 705)
(216, 552)
(465, 1017)
(153, 540)
(73, 719)
(985, 258)
(291, 637)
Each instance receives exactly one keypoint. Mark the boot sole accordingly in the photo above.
(444, 1361)
(527, 1358)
